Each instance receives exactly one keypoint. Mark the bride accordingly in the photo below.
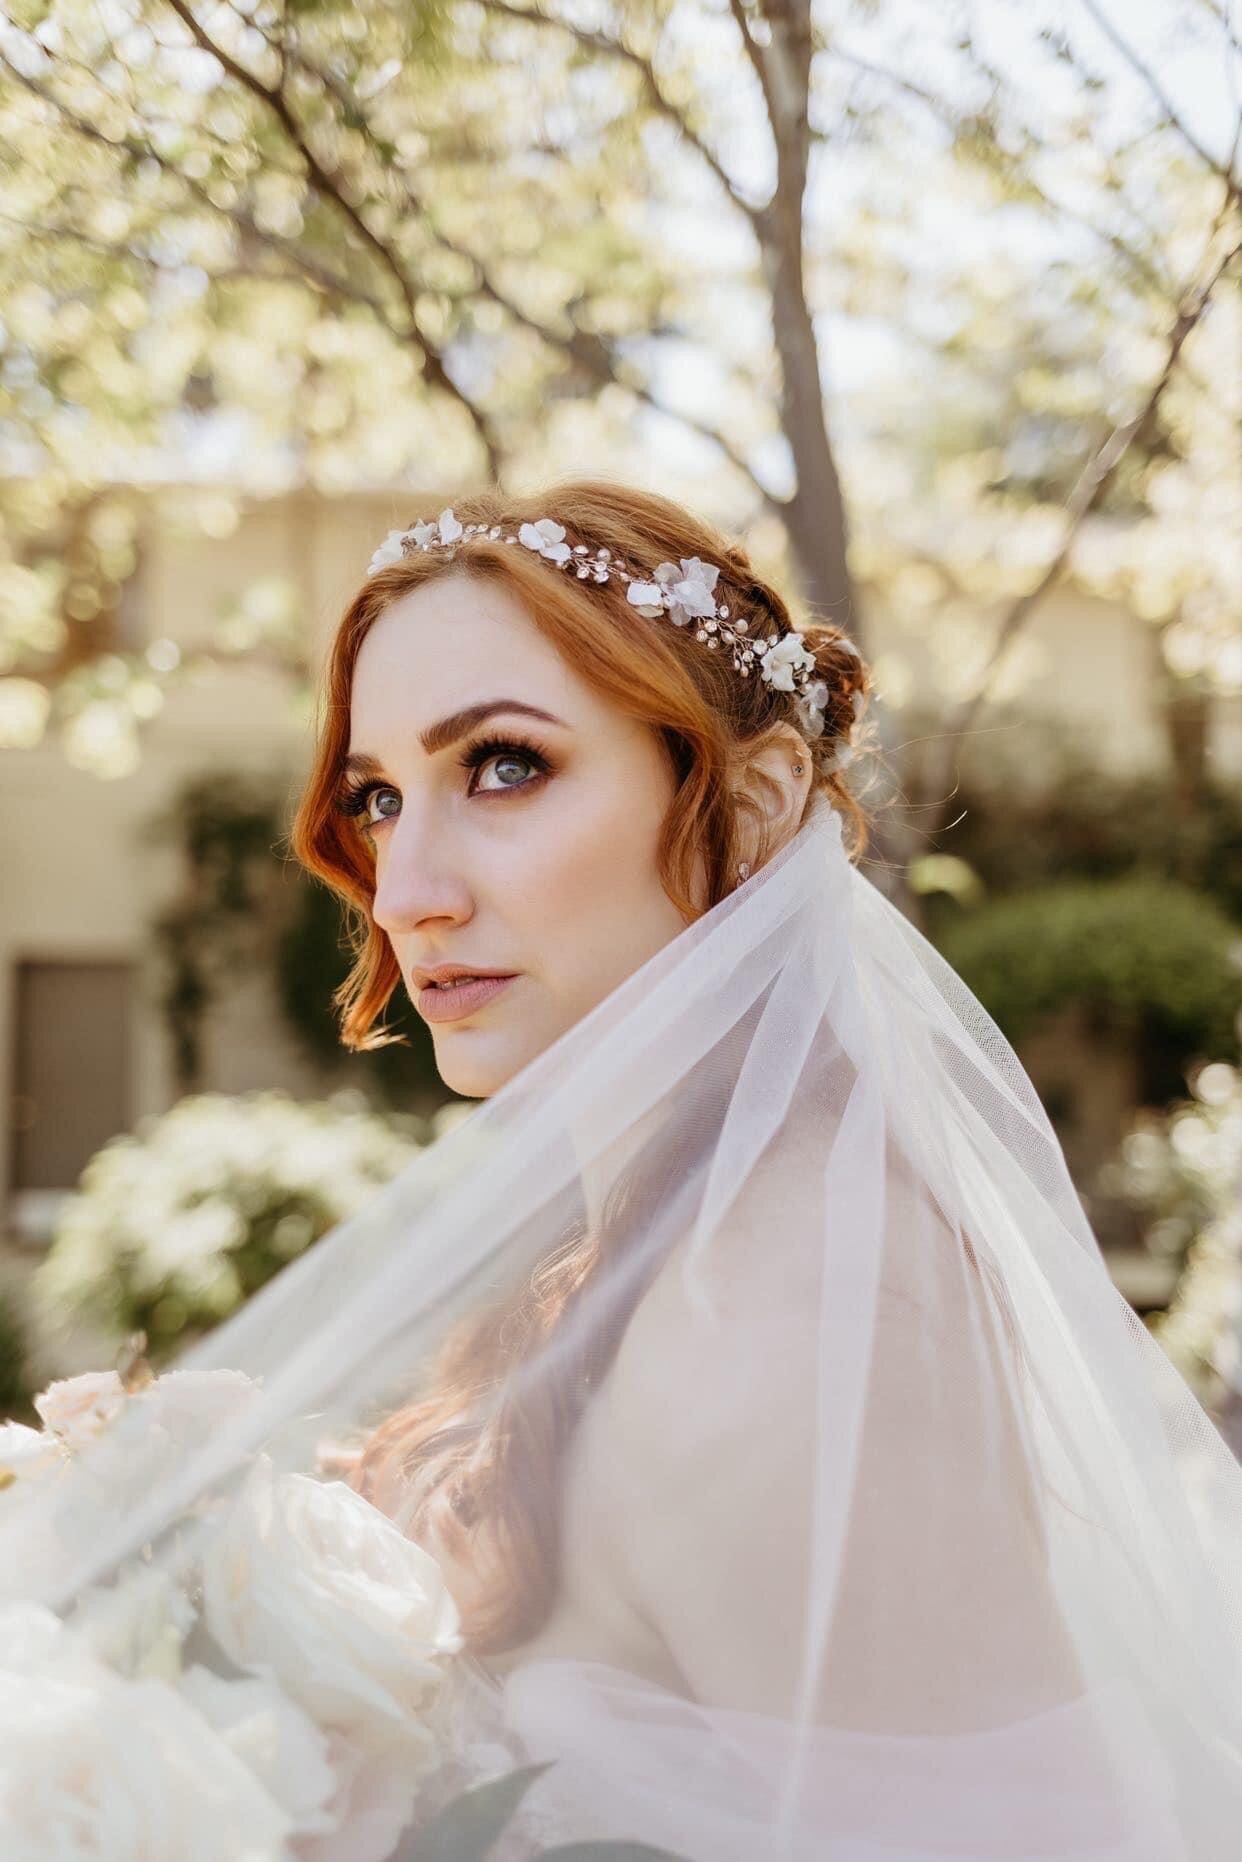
(805, 1490)
(763, 1441)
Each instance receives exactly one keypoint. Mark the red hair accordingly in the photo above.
(480, 1479)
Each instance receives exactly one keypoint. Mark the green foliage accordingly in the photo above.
(312, 956)
(1086, 823)
(226, 827)
(1151, 960)
(372, 236)
(468, 1829)
(242, 903)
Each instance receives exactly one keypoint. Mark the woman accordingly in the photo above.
(805, 1486)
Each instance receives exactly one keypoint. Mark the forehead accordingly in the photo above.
(447, 645)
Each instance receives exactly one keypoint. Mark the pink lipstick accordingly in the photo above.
(449, 1003)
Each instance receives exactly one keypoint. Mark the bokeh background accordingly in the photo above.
(936, 307)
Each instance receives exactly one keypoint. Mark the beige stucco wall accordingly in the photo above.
(79, 882)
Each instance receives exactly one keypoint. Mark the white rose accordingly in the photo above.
(24, 1452)
(450, 528)
(184, 1405)
(376, 1792)
(137, 1625)
(306, 1580)
(277, 1742)
(94, 1768)
(154, 1432)
(112, 1451)
(77, 1408)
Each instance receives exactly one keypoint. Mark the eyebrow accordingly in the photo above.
(457, 724)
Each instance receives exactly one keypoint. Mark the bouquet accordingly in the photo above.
(266, 1692)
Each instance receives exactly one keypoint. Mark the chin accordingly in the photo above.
(473, 1075)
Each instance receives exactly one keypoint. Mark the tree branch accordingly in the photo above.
(657, 97)
(581, 349)
(1122, 45)
(1086, 494)
(330, 185)
(956, 123)
(754, 53)
(320, 275)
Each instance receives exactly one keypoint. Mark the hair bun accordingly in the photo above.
(844, 671)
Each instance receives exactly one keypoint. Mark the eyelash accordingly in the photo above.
(355, 796)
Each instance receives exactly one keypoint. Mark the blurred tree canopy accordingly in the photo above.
(907, 296)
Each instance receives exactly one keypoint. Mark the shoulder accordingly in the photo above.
(705, 1433)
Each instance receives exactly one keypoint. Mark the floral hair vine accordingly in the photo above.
(684, 591)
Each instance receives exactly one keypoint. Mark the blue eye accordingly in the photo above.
(487, 750)
(354, 798)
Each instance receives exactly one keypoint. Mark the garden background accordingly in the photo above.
(936, 307)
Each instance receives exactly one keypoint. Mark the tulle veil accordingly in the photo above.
(941, 1557)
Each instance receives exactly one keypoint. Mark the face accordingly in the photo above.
(517, 844)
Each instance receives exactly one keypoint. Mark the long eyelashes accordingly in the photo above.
(353, 797)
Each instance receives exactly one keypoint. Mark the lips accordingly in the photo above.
(436, 1004)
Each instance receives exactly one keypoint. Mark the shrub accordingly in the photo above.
(1150, 960)
(1183, 1172)
(1029, 810)
(170, 1229)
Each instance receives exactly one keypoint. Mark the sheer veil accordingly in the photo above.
(838, 1506)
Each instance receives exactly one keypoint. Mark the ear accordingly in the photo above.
(770, 799)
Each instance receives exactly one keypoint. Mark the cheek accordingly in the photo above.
(586, 874)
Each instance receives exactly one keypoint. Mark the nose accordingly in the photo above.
(418, 882)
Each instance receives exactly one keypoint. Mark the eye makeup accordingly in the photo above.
(354, 796)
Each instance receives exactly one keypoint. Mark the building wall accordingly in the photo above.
(83, 885)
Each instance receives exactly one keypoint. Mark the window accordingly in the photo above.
(71, 1077)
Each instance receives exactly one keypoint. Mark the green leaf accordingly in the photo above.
(466, 1829)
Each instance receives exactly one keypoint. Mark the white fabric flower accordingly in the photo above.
(446, 529)
(692, 589)
(547, 537)
(784, 659)
(95, 1768)
(810, 717)
(390, 550)
(647, 597)
(307, 1580)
